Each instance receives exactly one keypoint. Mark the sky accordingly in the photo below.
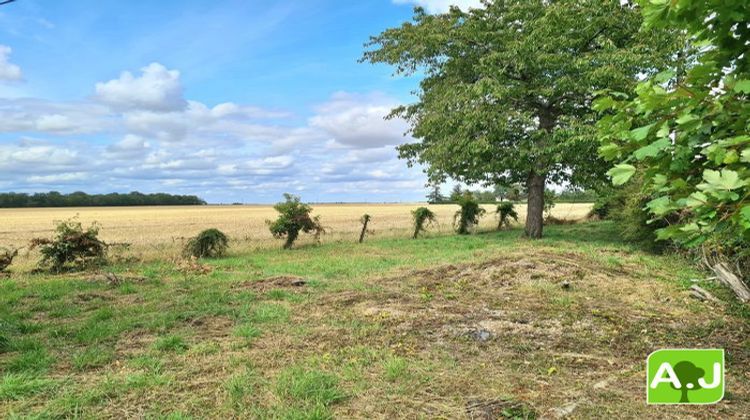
(233, 101)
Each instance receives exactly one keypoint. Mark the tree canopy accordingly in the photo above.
(507, 88)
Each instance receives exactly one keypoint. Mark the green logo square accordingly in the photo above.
(685, 376)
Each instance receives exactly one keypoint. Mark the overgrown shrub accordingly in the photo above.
(71, 247)
(468, 216)
(210, 243)
(626, 207)
(6, 257)
(505, 211)
(423, 217)
(294, 216)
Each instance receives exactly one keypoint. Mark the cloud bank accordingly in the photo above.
(138, 131)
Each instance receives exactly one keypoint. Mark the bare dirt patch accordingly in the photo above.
(271, 283)
(554, 331)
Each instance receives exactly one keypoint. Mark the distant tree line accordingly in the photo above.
(81, 199)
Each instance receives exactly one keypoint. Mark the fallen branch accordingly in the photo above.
(702, 294)
(727, 277)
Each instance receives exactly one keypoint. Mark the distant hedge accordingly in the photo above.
(81, 199)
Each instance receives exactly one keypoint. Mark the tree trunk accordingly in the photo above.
(535, 207)
(684, 395)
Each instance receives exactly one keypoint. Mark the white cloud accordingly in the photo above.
(157, 89)
(8, 70)
(130, 147)
(58, 178)
(358, 121)
(30, 114)
(34, 157)
(442, 6)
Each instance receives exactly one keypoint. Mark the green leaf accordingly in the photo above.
(745, 213)
(603, 103)
(641, 133)
(664, 76)
(725, 180)
(659, 180)
(660, 206)
(686, 118)
(621, 173)
(663, 130)
(696, 199)
(745, 156)
(742, 86)
(609, 151)
(652, 149)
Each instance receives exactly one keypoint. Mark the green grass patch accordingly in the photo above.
(171, 343)
(14, 386)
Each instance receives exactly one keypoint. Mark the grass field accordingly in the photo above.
(476, 326)
(159, 232)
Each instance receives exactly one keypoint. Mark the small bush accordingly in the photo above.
(294, 216)
(423, 217)
(6, 257)
(505, 211)
(468, 216)
(211, 243)
(626, 206)
(72, 247)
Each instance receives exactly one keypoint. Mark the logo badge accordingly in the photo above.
(685, 376)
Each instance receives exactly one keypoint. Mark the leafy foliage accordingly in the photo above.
(210, 243)
(507, 88)
(687, 127)
(505, 211)
(6, 257)
(294, 217)
(72, 247)
(469, 214)
(423, 217)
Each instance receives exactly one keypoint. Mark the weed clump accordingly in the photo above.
(365, 220)
(72, 247)
(211, 243)
(468, 216)
(423, 218)
(505, 211)
(6, 257)
(294, 216)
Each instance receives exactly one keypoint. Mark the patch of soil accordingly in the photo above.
(89, 296)
(209, 328)
(278, 282)
(114, 280)
(498, 409)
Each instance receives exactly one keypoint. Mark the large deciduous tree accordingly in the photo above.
(507, 88)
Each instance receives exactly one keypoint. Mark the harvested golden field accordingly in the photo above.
(156, 231)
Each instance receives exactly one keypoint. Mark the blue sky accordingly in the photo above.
(229, 100)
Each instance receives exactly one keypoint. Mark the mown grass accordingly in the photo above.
(367, 333)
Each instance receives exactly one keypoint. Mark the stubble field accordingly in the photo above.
(159, 232)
